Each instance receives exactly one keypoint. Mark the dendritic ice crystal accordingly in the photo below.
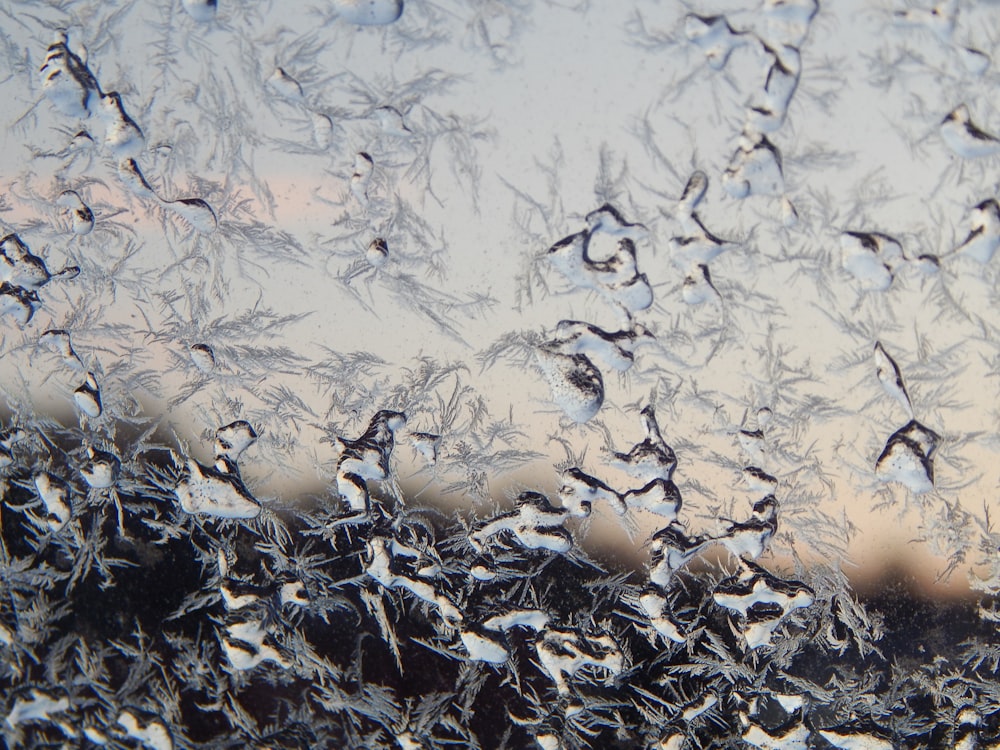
(425, 375)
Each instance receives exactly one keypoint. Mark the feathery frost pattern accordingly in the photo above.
(397, 374)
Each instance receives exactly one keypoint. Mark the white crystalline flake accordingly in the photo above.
(360, 179)
(965, 138)
(755, 168)
(564, 652)
(88, 397)
(203, 357)
(535, 523)
(427, 444)
(908, 457)
(377, 253)
(750, 538)
(534, 619)
(122, 137)
(698, 287)
(245, 647)
(696, 709)
(39, 706)
(59, 342)
(18, 303)
(615, 350)
(616, 278)
(153, 734)
(891, 378)
(322, 127)
(608, 219)
(984, 232)
(195, 212)
(715, 37)
(209, 491)
(652, 458)
(660, 496)
(6, 635)
(576, 384)
(102, 470)
(484, 646)
(367, 458)
(379, 566)
(293, 593)
(55, 494)
(580, 491)
(369, 12)
(657, 609)
(285, 86)
(697, 245)
(391, 122)
(80, 216)
(794, 738)
(856, 741)
(201, 11)
(670, 549)
(133, 178)
(234, 438)
(67, 81)
(861, 257)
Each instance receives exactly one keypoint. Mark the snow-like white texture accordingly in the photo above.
(891, 378)
(965, 138)
(795, 737)
(379, 565)
(245, 647)
(660, 497)
(37, 705)
(580, 491)
(762, 600)
(483, 645)
(369, 12)
(715, 37)
(908, 457)
(55, 494)
(535, 523)
(367, 457)
(670, 550)
(293, 593)
(67, 81)
(233, 439)
(195, 212)
(101, 470)
(870, 257)
(533, 619)
(657, 609)
(563, 652)
(755, 168)
(859, 741)
(983, 238)
(202, 11)
(609, 220)
(699, 706)
(152, 733)
(698, 288)
(613, 350)
(617, 278)
(750, 538)
(80, 216)
(213, 492)
(576, 384)
(652, 458)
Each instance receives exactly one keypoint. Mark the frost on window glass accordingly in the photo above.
(538, 373)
